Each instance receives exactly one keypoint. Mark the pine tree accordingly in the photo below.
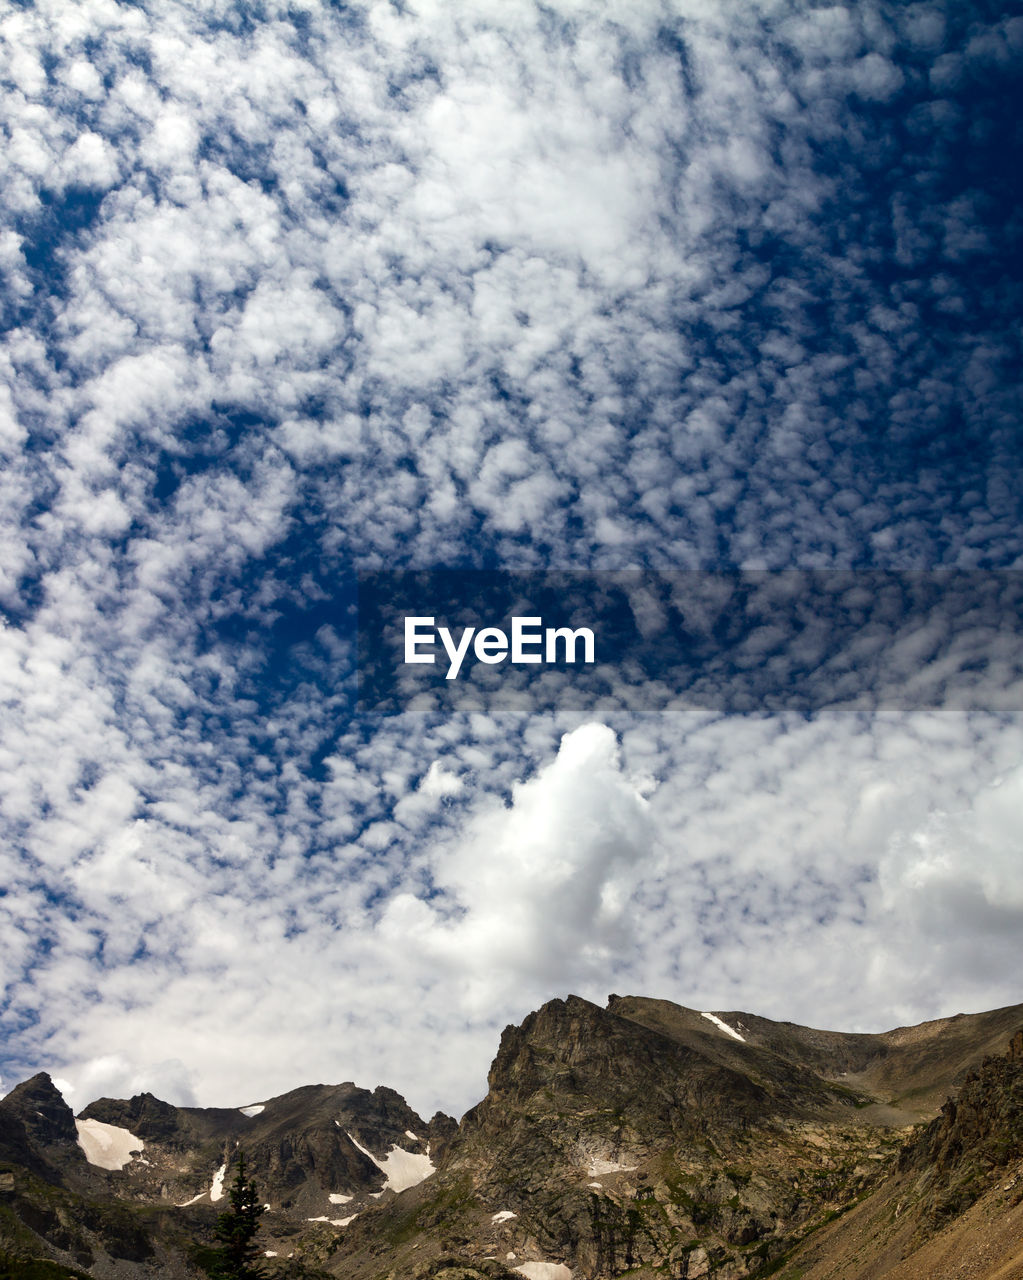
(238, 1258)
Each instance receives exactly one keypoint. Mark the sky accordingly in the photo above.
(714, 301)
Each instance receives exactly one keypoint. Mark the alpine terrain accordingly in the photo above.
(642, 1139)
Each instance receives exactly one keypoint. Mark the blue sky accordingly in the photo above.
(295, 292)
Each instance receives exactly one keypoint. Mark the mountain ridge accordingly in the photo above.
(644, 1138)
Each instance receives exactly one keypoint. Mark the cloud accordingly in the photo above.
(536, 892)
(521, 222)
(956, 876)
(673, 286)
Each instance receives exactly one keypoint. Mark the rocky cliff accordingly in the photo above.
(302, 1148)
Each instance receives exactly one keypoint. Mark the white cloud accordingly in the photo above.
(490, 285)
(875, 78)
(537, 892)
(959, 871)
(90, 162)
(439, 782)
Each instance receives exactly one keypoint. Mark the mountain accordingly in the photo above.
(309, 1150)
(55, 1204)
(648, 1136)
(139, 1181)
(953, 1206)
(37, 1130)
(642, 1138)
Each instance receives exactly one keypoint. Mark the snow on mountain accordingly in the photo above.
(107, 1145)
(217, 1189)
(723, 1026)
(595, 1167)
(403, 1169)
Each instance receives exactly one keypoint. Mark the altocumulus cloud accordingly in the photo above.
(659, 284)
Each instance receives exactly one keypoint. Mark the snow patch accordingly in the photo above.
(269, 1253)
(107, 1145)
(544, 1271)
(334, 1222)
(505, 1215)
(410, 1134)
(403, 1169)
(192, 1201)
(217, 1189)
(724, 1026)
(595, 1166)
(336, 1197)
(256, 1110)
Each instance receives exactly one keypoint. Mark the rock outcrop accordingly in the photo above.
(953, 1203)
(978, 1133)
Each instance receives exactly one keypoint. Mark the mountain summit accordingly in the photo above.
(643, 1138)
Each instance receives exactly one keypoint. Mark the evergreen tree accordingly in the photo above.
(238, 1258)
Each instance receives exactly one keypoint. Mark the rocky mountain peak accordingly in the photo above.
(144, 1115)
(41, 1108)
(37, 1129)
(982, 1125)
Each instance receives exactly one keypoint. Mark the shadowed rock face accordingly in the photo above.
(156, 1121)
(37, 1129)
(41, 1108)
(980, 1129)
(54, 1203)
(953, 1202)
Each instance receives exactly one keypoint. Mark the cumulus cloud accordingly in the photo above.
(537, 892)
